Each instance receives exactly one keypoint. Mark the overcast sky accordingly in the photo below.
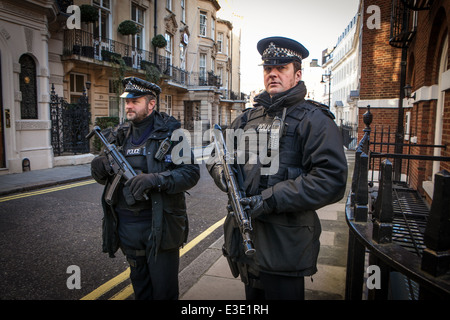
(317, 24)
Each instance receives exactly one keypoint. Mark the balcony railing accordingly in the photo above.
(84, 44)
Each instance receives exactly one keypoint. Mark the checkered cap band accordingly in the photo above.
(274, 52)
(136, 88)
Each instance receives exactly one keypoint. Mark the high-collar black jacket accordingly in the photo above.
(311, 173)
(169, 218)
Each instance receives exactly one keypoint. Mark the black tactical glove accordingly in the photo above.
(256, 206)
(218, 176)
(100, 169)
(146, 182)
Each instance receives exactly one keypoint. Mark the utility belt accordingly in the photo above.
(133, 255)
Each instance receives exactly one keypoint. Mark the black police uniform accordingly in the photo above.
(311, 173)
(149, 232)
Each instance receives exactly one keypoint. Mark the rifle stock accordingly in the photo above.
(234, 194)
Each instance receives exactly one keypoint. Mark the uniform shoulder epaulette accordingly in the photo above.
(325, 109)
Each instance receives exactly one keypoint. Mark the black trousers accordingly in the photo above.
(276, 287)
(153, 278)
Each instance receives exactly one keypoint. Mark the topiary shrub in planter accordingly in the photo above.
(127, 28)
(159, 41)
(88, 13)
(109, 56)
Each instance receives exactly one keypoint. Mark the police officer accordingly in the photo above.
(149, 232)
(310, 172)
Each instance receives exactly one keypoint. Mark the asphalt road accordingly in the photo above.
(43, 236)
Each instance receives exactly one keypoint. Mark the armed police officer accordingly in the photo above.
(311, 172)
(146, 216)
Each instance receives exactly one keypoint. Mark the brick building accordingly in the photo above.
(415, 32)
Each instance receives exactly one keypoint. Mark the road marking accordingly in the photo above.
(128, 290)
(43, 191)
(107, 286)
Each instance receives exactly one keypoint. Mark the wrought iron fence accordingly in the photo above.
(349, 132)
(404, 237)
(70, 124)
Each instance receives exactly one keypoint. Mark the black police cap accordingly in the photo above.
(136, 87)
(280, 51)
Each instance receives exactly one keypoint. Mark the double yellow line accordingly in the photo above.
(128, 290)
(43, 191)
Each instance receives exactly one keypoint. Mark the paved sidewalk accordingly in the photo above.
(217, 283)
(34, 179)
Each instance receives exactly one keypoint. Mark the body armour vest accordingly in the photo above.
(136, 157)
(273, 165)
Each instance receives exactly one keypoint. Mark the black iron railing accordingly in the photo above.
(402, 28)
(70, 124)
(349, 132)
(84, 44)
(404, 237)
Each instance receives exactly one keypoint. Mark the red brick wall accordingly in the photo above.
(380, 79)
(380, 67)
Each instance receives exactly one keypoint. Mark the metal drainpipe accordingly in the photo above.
(155, 28)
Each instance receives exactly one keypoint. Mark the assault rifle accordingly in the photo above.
(120, 166)
(234, 194)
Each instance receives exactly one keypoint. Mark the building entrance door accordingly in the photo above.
(189, 114)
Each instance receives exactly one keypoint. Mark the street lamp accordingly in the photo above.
(408, 91)
(328, 76)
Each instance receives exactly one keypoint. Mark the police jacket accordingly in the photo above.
(311, 172)
(168, 208)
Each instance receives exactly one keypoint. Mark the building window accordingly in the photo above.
(27, 78)
(182, 56)
(213, 28)
(183, 11)
(169, 4)
(169, 105)
(137, 15)
(169, 51)
(220, 75)
(102, 26)
(77, 82)
(226, 45)
(169, 48)
(113, 98)
(202, 69)
(203, 21)
(220, 42)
